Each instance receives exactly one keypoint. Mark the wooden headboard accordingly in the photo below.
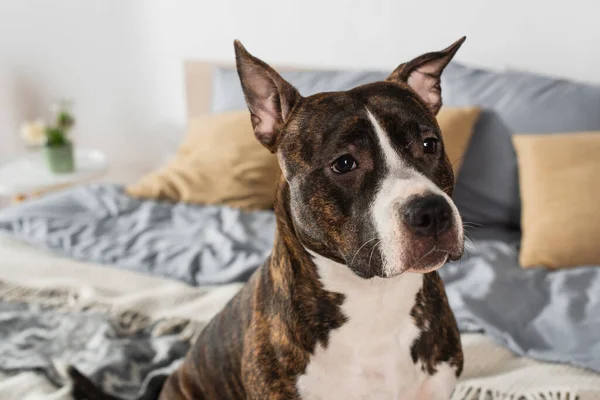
(198, 85)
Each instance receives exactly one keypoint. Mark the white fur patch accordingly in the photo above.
(401, 183)
(368, 357)
(440, 385)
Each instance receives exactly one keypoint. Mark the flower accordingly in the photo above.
(34, 133)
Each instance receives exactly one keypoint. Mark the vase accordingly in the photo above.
(60, 159)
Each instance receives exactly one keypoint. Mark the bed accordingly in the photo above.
(120, 287)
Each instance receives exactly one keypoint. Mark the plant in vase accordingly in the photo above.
(54, 139)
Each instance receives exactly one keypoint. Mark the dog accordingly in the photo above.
(349, 304)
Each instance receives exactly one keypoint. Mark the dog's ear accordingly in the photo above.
(424, 72)
(269, 97)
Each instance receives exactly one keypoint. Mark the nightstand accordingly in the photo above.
(29, 176)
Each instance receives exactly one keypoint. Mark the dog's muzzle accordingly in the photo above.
(433, 233)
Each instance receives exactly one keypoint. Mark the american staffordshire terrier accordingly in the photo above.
(349, 304)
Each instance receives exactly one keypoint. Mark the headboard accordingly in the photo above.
(198, 85)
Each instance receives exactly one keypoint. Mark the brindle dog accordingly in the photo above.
(348, 305)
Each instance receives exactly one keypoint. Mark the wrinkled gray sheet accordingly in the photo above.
(122, 363)
(548, 315)
(99, 223)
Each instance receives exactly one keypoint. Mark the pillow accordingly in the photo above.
(219, 162)
(559, 177)
(457, 125)
(487, 190)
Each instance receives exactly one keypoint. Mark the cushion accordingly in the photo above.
(559, 177)
(219, 162)
(457, 125)
(487, 191)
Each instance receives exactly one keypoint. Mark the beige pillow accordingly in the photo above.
(560, 198)
(457, 128)
(221, 162)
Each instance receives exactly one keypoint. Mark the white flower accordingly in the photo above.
(34, 133)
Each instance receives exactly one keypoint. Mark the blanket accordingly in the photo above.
(198, 245)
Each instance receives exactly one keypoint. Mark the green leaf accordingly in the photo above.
(65, 120)
(56, 137)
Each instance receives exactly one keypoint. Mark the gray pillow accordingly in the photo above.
(227, 91)
(487, 190)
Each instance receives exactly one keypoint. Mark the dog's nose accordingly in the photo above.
(429, 215)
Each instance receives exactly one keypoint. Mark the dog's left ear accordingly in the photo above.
(269, 97)
(424, 72)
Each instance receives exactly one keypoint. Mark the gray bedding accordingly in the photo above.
(551, 316)
(99, 223)
(547, 315)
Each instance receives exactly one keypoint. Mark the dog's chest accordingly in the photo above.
(369, 356)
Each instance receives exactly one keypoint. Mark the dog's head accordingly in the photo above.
(368, 176)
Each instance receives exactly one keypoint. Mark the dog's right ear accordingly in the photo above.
(269, 97)
(423, 74)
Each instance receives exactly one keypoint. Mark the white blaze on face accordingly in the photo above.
(400, 183)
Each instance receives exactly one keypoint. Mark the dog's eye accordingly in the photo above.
(344, 164)
(430, 145)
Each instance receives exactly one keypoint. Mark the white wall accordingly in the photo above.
(121, 60)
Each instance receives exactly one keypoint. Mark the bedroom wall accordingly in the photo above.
(121, 61)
